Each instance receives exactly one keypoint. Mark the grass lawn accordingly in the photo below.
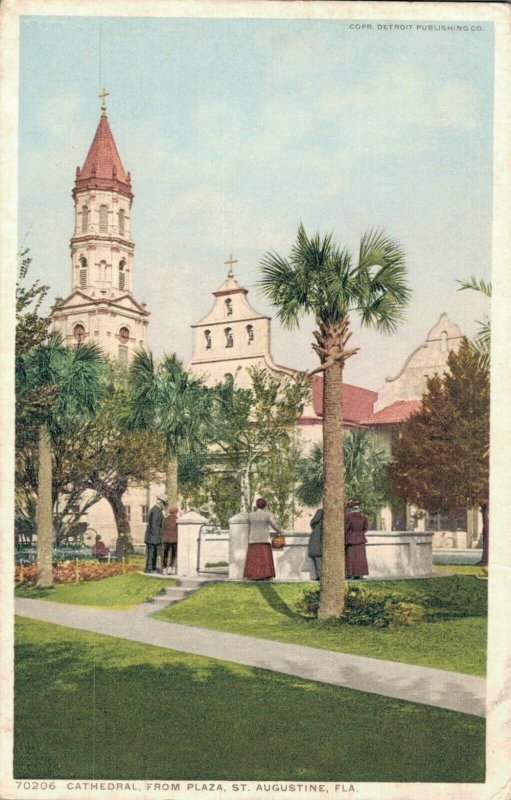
(268, 610)
(463, 569)
(95, 707)
(119, 591)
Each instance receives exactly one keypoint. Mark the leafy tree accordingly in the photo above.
(365, 472)
(320, 279)
(110, 457)
(254, 447)
(165, 398)
(441, 461)
(70, 381)
(99, 464)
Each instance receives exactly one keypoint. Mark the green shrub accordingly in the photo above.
(366, 606)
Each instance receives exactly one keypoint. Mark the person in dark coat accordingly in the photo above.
(169, 539)
(100, 550)
(355, 527)
(316, 542)
(153, 532)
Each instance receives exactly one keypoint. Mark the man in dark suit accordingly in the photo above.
(153, 533)
(316, 542)
(355, 527)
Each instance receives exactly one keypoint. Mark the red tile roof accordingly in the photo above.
(103, 168)
(357, 402)
(397, 412)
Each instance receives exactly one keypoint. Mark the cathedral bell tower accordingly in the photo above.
(101, 306)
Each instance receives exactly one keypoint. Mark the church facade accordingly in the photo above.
(229, 339)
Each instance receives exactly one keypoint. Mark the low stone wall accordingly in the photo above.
(389, 555)
(400, 554)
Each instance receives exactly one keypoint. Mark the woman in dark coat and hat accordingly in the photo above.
(355, 527)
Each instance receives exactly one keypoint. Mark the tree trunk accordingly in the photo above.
(331, 603)
(171, 483)
(485, 509)
(119, 511)
(246, 493)
(44, 511)
(123, 545)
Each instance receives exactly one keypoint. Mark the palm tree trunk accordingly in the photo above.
(331, 603)
(44, 511)
(171, 483)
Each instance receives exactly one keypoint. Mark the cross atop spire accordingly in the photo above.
(102, 95)
(231, 261)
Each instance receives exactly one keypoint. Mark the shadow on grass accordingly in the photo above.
(275, 601)
(94, 707)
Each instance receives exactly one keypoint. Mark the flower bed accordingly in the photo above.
(70, 571)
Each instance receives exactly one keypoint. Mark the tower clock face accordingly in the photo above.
(124, 335)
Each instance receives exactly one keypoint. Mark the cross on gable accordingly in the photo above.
(231, 261)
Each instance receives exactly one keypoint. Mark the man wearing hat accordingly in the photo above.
(355, 527)
(153, 532)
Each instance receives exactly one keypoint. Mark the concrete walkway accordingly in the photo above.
(435, 687)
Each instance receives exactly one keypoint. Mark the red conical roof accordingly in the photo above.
(103, 168)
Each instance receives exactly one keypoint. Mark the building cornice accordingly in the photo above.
(227, 322)
(92, 237)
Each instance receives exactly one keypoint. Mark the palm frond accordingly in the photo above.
(476, 285)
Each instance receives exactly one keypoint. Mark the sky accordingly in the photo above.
(237, 130)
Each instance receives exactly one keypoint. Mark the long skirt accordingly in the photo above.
(259, 562)
(356, 560)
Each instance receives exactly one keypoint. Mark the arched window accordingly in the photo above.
(121, 222)
(79, 333)
(444, 344)
(83, 273)
(229, 378)
(207, 339)
(122, 274)
(102, 271)
(250, 334)
(103, 219)
(124, 334)
(229, 339)
(228, 307)
(85, 219)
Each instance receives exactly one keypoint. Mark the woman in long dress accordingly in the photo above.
(259, 561)
(355, 527)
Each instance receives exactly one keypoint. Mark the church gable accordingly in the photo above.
(428, 359)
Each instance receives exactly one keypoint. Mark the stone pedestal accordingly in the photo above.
(188, 531)
(238, 543)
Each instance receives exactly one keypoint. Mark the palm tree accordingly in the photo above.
(482, 343)
(320, 279)
(70, 379)
(364, 472)
(165, 398)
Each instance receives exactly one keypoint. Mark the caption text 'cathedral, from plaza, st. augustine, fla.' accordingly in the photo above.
(231, 337)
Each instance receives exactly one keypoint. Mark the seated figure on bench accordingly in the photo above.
(99, 549)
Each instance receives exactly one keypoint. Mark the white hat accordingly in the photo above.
(162, 497)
